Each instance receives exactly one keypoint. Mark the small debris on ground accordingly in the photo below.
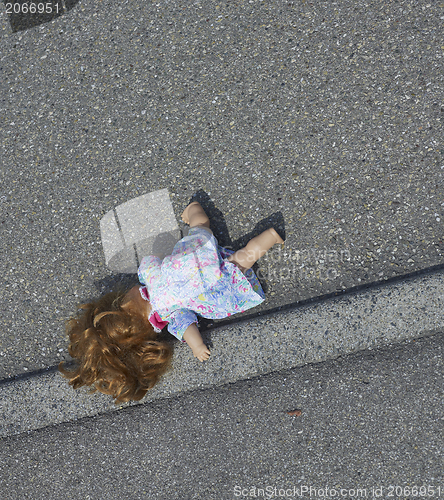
(294, 413)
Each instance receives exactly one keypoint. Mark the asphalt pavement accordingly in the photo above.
(323, 119)
(370, 426)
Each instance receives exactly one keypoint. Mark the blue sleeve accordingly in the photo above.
(179, 321)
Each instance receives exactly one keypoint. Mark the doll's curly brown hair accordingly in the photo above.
(117, 353)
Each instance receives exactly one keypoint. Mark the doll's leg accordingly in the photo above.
(194, 215)
(255, 249)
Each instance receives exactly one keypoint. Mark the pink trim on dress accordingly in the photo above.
(154, 319)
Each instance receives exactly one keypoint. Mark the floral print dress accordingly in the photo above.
(196, 279)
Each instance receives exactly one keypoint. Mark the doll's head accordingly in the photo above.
(117, 351)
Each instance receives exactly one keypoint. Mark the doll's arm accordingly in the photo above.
(194, 340)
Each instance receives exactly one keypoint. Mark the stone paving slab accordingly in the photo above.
(312, 333)
(324, 119)
(145, 225)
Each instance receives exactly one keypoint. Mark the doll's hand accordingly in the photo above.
(193, 338)
(202, 353)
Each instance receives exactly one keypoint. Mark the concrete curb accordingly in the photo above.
(370, 318)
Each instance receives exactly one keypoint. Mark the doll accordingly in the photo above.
(115, 339)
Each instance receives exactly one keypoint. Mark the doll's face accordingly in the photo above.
(134, 303)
